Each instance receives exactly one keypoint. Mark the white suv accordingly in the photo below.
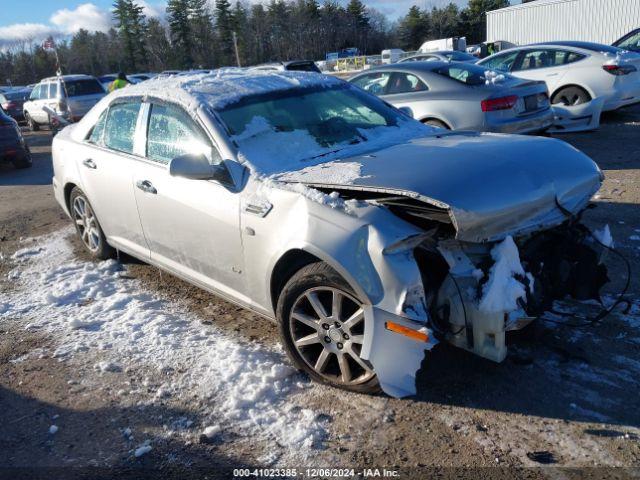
(70, 96)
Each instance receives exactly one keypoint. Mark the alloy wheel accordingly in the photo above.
(86, 223)
(327, 328)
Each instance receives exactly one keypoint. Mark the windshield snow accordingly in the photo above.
(277, 131)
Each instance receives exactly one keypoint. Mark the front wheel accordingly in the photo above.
(87, 226)
(322, 327)
(33, 126)
(570, 97)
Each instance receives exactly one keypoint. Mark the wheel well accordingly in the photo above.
(570, 86)
(426, 119)
(285, 268)
(67, 194)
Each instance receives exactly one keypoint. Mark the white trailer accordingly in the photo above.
(600, 21)
(454, 43)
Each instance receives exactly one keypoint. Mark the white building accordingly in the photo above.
(600, 21)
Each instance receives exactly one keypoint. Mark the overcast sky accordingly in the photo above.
(37, 19)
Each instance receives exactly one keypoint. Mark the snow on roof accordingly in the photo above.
(225, 86)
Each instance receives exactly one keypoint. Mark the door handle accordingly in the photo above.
(89, 163)
(552, 75)
(146, 186)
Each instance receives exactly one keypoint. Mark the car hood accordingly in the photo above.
(491, 185)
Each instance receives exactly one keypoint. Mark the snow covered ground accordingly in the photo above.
(244, 388)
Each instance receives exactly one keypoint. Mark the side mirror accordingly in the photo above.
(407, 111)
(197, 167)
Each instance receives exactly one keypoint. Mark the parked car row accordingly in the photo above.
(13, 148)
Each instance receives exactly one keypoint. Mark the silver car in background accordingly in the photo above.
(367, 236)
(461, 96)
(441, 56)
(68, 96)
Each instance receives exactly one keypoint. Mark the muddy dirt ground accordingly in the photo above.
(564, 403)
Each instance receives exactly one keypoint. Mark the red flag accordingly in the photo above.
(49, 44)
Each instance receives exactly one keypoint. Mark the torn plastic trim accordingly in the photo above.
(578, 118)
(395, 358)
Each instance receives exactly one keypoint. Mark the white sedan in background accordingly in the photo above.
(575, 72)
(367, 236)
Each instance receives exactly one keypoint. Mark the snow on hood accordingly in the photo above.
(293, 154)
(492, 185)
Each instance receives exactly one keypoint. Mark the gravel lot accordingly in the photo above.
(564, 403)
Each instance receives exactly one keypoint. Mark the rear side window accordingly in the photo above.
(97, 132)
(375, 83)
(172, 133)
(469, 75)
(77, 88)
(121, 126)
(405, 83)
(53, 90)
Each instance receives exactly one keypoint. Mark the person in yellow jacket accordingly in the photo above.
(120, 82)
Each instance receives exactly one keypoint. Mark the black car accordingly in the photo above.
(13, 100)
(13, 148)
(291, 65)
(631, 41)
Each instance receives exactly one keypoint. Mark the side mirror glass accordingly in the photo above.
(197, 167)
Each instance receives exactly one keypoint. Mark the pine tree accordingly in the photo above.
(224, 26)
(474, 18)
(130, 23)
(180, 28)
(413, 29)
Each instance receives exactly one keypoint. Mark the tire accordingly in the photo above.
(88, 227)
(25, 162)
(570, 96)
(324, 345)
(33, 126)
(434, 122)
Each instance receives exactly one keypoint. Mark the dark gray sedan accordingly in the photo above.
(461, 96)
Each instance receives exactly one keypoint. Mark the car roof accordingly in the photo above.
(222, 87)
(591, 46)
(414, 66)
(68, 78)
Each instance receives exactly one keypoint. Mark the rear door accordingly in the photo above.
(192, 226)
(106, 162)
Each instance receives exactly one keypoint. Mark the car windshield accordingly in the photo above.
(303, 67)
(632, 43)
(306, 123)
(468, 74)
(77, 88)
(459, 56)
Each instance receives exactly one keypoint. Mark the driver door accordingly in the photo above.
(191, 226)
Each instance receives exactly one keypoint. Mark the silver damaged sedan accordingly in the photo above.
(366, 235)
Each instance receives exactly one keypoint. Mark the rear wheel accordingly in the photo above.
(33, 126)
(24, 162)
(87, 226)
(434, 122)
(322, 328)
(570, 97)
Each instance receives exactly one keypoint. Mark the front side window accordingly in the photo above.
(375, 83)
(121, 126)
(405, 83)
(502, 62)
(172, 133)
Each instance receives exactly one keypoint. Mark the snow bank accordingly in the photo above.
(502, 290)
(89, 307)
